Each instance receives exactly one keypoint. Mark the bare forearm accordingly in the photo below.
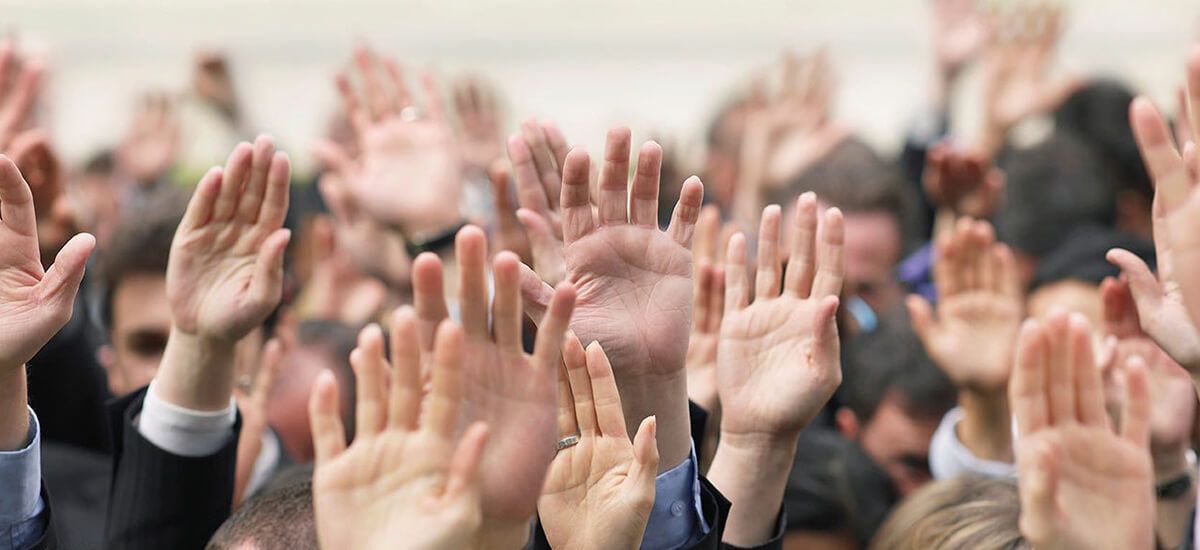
(664, 397)
(986, 427)
(14, 418)
(196, 373)
(752, 472)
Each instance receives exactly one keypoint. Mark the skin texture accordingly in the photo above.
(225, 273)
(1081, 484)
(778, 361)
(634, 282)
(407, 476)
(409, 171)
(34, 303)
(511, 391)
(599, 492)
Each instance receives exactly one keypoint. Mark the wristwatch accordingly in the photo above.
(433, 242)
(1179, 486)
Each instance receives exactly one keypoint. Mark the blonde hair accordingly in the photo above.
(963, 513)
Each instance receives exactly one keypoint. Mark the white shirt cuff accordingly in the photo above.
(949, 458)
(182, 431)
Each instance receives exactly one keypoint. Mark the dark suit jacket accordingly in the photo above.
(79, 480)
(161, 500)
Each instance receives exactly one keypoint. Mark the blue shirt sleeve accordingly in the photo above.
(677, 519)
(22, 522)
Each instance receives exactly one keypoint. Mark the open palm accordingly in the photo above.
(403, 480)
(599, 492)
(778, 359)
(1081, 484)
(979, 308)
(634, 281)
(34, 303)
(225, 270)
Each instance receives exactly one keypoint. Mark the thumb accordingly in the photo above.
(535, 293)
(1147, 294)
(61, 282)
(541, 238)
(644, 470)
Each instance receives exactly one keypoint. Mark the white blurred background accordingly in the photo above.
(656, 65)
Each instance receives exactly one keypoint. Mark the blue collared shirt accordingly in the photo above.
(22, 522)
(677, 519)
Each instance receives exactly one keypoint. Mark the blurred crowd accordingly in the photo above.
(465, 332)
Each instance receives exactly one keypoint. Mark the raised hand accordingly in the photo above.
(538, 154)
(1162, 304)
(152, 143)
(20, 79)
(34, 302)
(960, 32)
(407, 479)
(1018, 84)
(1081, 484)
(225, 273)
(1173, 404)
(979, 310)
(410, 173)
(786, 339)
(512, 391)
(478, 111)
(375, 249)
(708, 308)
(962, 182)
(599, 491)
(778, 361)
(252, 400)
(634, 282)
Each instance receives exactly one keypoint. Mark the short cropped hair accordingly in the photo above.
(278, 520)
(892, 359)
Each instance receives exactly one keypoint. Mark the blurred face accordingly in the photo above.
(98, 197)
(1075, 296)
(287, 408)
(872, 251)
(899, 443)
(141, 322)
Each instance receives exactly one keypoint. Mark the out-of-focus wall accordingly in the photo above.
(653, 64)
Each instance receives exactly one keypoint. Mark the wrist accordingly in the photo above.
(196, 371)
(664, 396)
(759, 444)
(986, 427)
(14, 418)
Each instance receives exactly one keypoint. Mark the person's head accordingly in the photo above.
(1069, 277)
(278, 520)
(893, 398)
(1052, 188)
(1099, 114)
(99, 191)
(878, 212)
(962, 513)
(134, 307)
(319, 345)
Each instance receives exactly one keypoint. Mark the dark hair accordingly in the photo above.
(141, 244)
(834, 487)
(278, 520)
(1081, 256)
(853, 177)
(1099, 114)
(101, 163)
(891, 359)
(1052, 188)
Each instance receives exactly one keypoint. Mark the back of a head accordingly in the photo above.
(891, 359)
(963, 513)
(1052, 188)
(853, 177)
(1099, 114)
(276, 520)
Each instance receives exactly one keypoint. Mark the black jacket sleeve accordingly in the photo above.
(162, 500)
